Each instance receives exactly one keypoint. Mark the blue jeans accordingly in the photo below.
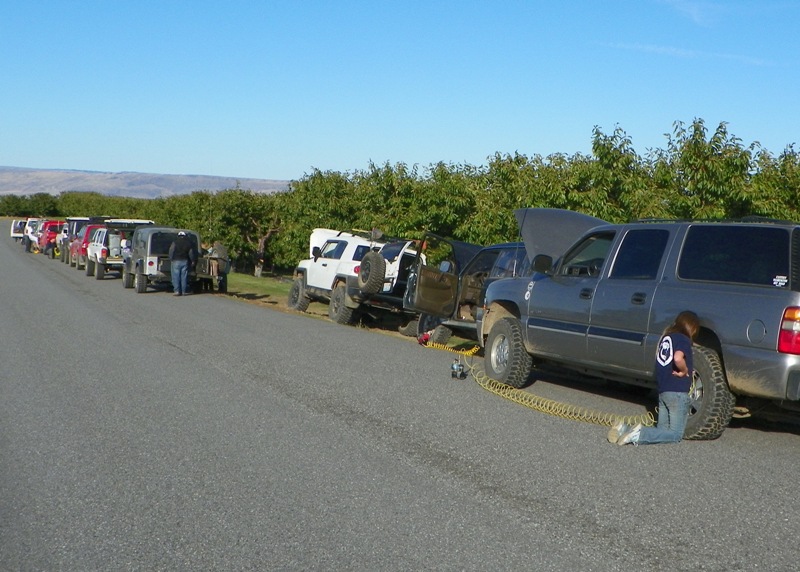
(180, 276)
(673, 412)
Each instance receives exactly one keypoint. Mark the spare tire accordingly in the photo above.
(372, 272)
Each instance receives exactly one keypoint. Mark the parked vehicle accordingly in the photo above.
(49, 232)
(448, 296)
(104, 251)
(70, 231)
(323, 277)
(77, 247)
(146, 262)
(17, 230)
(601, 307)
(30, 233)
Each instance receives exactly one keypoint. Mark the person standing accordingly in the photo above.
(674, 372)
(181, 255)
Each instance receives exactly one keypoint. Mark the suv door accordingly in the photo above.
(560, 305)
(322, 270)
(622, 301)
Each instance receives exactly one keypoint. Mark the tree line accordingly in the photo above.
(698, 175)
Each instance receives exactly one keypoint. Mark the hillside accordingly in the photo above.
(21, 181)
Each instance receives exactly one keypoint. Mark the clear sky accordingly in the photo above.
(273, 89)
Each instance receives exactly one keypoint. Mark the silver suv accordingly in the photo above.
(601, 306)
(146, 259)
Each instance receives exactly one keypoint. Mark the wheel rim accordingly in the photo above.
(499, 354)
(696, 394)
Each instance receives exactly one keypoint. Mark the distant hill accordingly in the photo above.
(21, 181)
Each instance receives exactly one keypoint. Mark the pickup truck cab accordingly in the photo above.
(601, 307)
(104, 251)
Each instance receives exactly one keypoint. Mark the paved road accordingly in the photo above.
(147, 432)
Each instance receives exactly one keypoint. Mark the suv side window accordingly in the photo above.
(639, 255)
(333, 249)
(742, 254)
(587, 258)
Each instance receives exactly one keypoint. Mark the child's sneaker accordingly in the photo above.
(631, 436)
(617, 430)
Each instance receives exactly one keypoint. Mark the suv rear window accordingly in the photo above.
(756, 255)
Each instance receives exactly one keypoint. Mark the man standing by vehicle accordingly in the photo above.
(181, 254)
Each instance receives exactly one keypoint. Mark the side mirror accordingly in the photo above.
(445, 266)
(542, 263)
(316, 252)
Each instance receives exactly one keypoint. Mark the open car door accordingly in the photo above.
(433, 283)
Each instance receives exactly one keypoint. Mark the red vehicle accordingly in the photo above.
(77, 248)
(48, 238)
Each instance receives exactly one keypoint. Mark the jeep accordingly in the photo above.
(146, 259)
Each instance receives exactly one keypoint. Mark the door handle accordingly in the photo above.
(586, 294)
(639, 298)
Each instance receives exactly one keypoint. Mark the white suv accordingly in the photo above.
(352, 271)
(104, 252)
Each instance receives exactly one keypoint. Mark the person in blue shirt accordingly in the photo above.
(674, 372)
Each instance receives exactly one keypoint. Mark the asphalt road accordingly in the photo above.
(148, 432)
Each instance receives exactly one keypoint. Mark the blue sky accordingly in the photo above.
(274, 89)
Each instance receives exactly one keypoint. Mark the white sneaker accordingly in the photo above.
(631, 436)
(617, 430)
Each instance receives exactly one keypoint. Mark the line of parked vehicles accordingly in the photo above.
(136, 250)
(579, 295)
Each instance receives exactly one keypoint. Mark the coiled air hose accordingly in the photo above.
(542, 404)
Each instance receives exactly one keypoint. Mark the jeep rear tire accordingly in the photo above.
(297, 296)
(711, 402)
(337, 310)
(140, 282)
(89, 267)
(372, 272)
(99, 271)
(506, 359)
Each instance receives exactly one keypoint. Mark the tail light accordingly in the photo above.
(357, 269)
(104, 253)
(789, 337)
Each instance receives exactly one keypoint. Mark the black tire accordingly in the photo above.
(99, 271)
(71, 261)
(337, 310)
(140, 283)
(89, 267)
(711, 402)
(297, 296)
(439, 334)
(372, 272)
(506, 359)
(55, 252)
(78, 264)
(410, 328)
(127, 279)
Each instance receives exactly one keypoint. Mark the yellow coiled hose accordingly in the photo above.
(542, 404)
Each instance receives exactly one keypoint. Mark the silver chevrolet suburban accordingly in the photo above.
(600, 305)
